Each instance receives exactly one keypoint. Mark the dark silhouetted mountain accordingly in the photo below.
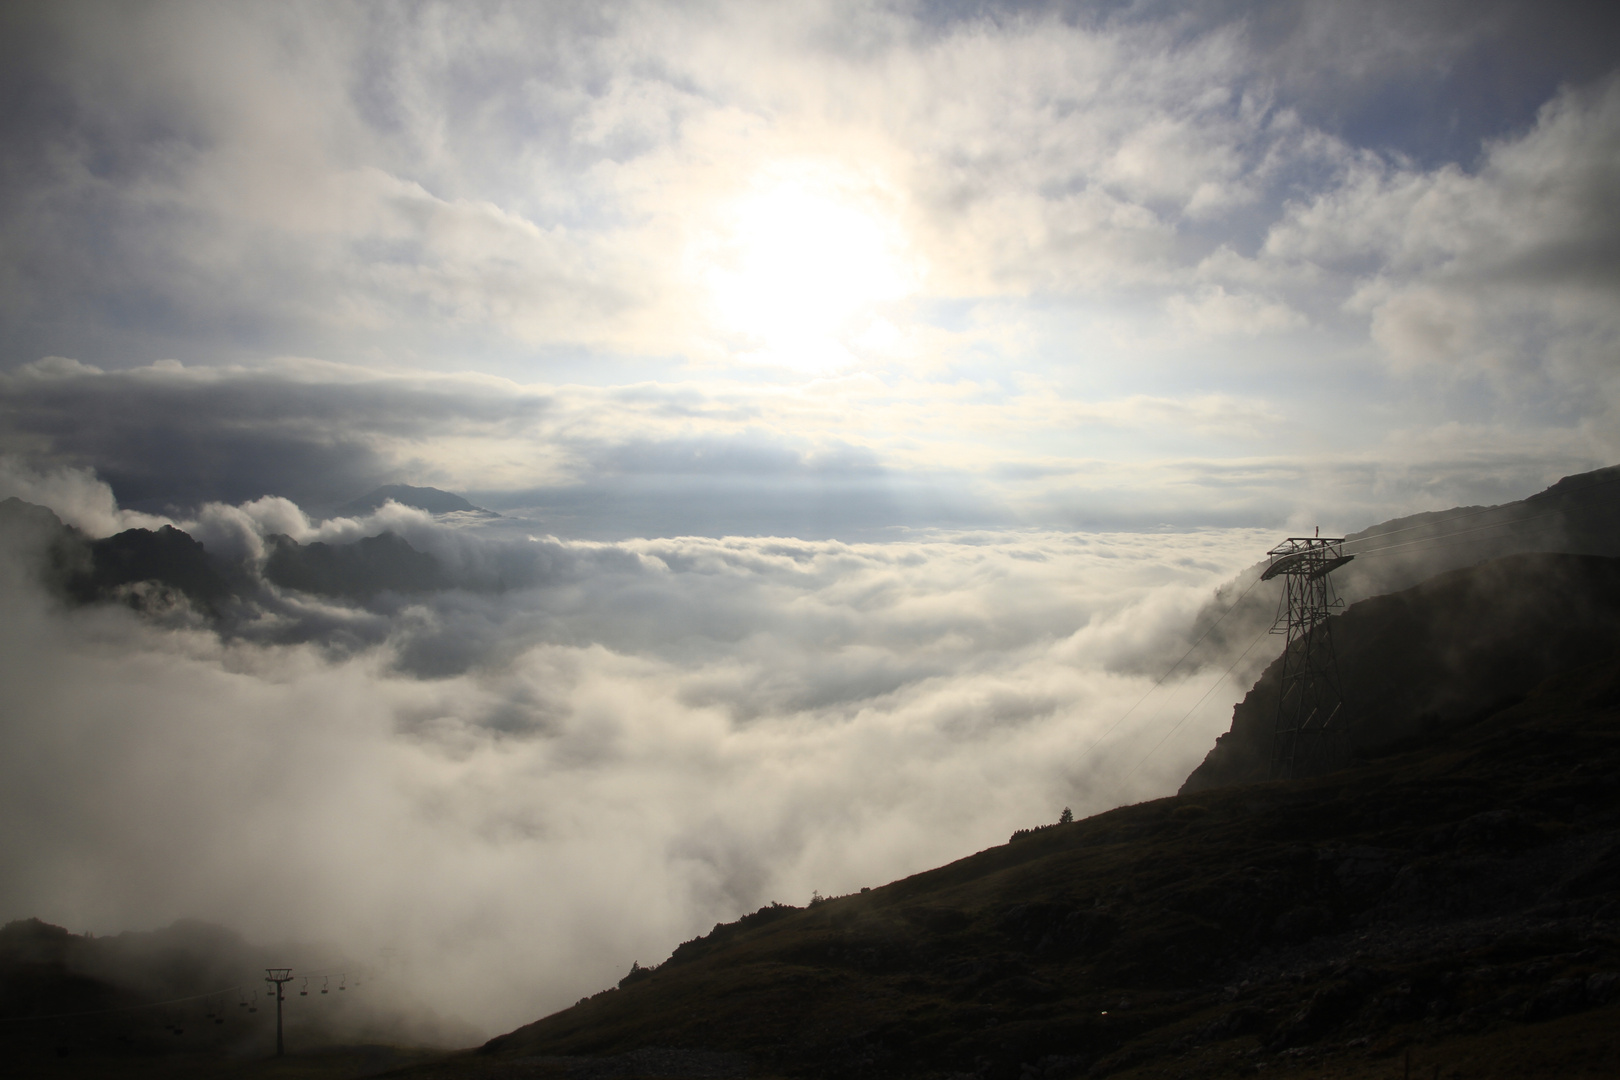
(26, 526)
(1439, 653)
(166, 556)
(141, 567)
(375, 564)
(432, 500)
(146, 568)
(1453, 899)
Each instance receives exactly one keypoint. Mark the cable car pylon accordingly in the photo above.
(1309, 734)
(280, 977)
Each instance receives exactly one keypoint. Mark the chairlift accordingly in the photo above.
(253, 1005)
(343, 983)
(324, 985)
(305, 991)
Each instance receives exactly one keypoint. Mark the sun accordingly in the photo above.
(803, 267)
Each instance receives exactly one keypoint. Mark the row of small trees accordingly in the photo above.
(1063, 819)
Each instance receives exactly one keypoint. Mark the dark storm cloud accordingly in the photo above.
(170, 439)
(174, 439)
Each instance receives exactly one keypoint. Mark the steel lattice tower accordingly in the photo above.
(1310, 729)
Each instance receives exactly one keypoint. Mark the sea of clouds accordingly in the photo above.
(585, 752)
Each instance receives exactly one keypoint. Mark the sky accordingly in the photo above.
(872, 393)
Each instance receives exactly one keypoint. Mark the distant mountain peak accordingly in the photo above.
(430, 499)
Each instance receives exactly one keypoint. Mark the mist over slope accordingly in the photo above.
(194, 988)
(1580, 514)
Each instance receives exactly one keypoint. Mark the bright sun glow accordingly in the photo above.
(801, 269)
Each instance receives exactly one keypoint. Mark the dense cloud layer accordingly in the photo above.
(584, 753)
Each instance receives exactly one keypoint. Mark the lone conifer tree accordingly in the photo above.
(1065, 817)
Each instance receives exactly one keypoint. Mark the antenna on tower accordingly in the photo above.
(1309, 733)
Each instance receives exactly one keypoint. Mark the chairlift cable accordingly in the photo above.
(1461, 517)
(1200, 701)
(118, 1009)
(1442, 539)
(1208, 630)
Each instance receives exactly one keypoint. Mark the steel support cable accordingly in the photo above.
(128, 1008)
(1115, 725)
(158, 1004)
(1441, 523)
(1200, 701)
(1441, 540)
(1473, 513)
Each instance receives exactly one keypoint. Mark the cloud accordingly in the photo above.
(78, 496)
(1020, 197)
(599, 754)
(505, 179)
(1504, 271)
